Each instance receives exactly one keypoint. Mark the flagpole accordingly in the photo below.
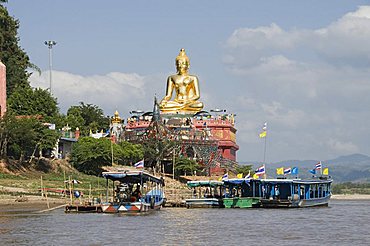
(264, 152)
(264, 156)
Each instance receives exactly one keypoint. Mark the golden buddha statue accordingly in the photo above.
(186, 89)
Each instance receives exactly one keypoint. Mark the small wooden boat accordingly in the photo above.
(205, 194)
(128, 187)
(293, 193)
(241, 193)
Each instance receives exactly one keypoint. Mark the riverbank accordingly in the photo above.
(350, 197)
(29, 204)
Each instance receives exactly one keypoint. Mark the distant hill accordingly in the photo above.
(349, 168)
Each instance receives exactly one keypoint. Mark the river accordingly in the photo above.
(344, 222)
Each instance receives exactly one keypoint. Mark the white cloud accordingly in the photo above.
(344, 41)
(342, 147)
(112, 91)
(303, 82)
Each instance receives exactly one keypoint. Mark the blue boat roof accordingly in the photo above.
(298, 181)
(236, 181)
(132, 177)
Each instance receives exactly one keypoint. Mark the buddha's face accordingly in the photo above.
(182, 66)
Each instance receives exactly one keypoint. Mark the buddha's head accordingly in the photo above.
(182, 62)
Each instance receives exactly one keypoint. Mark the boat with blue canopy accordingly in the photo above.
(205, 194)
(241, 193)
(293, 193)
(128, 187)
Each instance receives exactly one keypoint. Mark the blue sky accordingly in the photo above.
(301, 66)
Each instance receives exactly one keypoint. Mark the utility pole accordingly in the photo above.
(50, 45)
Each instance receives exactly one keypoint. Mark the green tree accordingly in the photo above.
(89, 116)
(21, 137)
(130, 153)
(28, 101)
(4, 135)
(244, 169)
(186, 166)
(89, 155)
(74, 118)
(156, 150)
(11, 54)
(47, 139)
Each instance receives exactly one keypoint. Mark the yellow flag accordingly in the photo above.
(220, 179)
(255, 176)
(280, 171)
(90, 133)
(239, 176)
(263, 134)
(325, 171)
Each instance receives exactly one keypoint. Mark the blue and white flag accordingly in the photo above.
(287, 171)
(261, 170)
(139, 164)
(313, 171)
(248, 176)
(318, 166)
(295, 170)
(225, 176)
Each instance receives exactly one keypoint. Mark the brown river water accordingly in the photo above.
(344, 222)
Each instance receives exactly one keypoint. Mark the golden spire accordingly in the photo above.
(182, 56)
(116, 118)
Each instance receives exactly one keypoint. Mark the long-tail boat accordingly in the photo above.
(292, 193)
(241, 193)
(205, 194)
(133, 191)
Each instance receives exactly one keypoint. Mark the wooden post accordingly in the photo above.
(42, 188)
(70, 189)
(106, 199)
(90, 193)
(64, 183)
(173, 164)
(47, 200)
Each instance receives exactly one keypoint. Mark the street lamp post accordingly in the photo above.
(50, 45)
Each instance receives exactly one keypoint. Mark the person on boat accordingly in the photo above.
(207, 193)
(277, 192)
(136, 194)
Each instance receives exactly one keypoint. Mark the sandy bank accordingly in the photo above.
(350, 197)
(25, 204)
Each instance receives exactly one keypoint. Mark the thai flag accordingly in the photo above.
(139, 164)
(287, 170)
(261, 170)
(225, 176)
(318, 166)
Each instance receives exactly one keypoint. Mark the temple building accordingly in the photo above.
(116, 127)
(208, 138)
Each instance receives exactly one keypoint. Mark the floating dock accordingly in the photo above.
(83, 208)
